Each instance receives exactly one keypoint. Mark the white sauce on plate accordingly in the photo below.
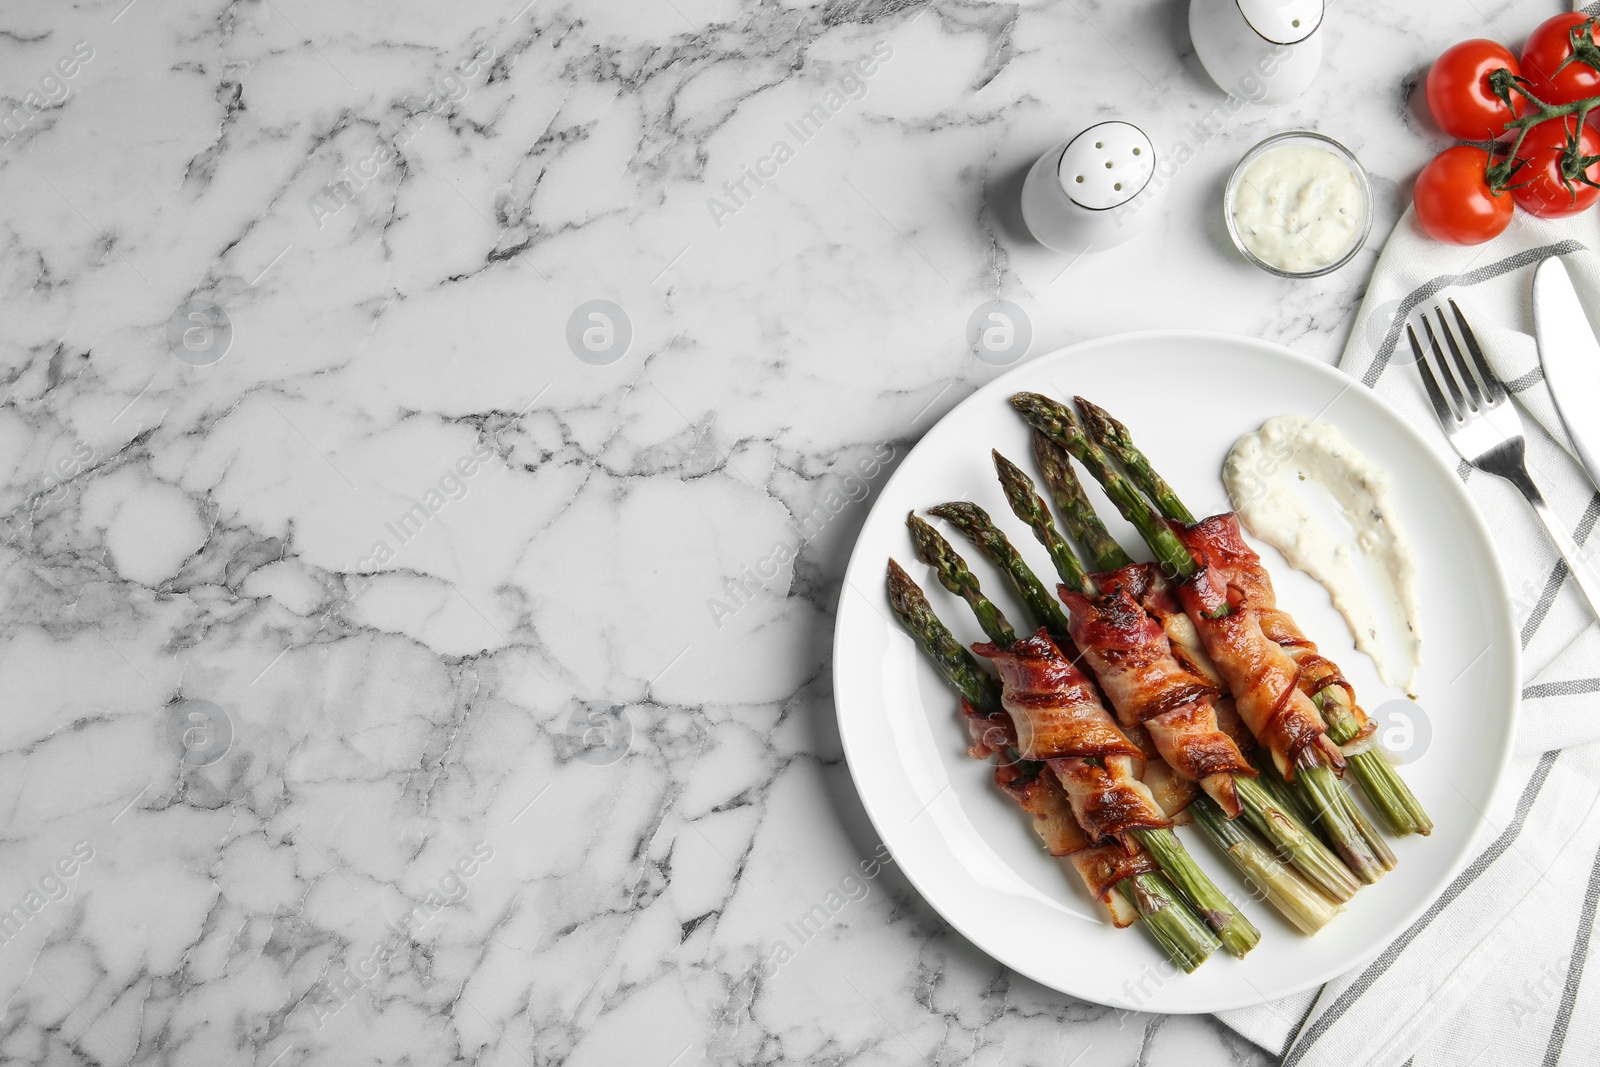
(1265, 474)
(1298, 208)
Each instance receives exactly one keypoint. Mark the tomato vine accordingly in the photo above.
(1574, 163)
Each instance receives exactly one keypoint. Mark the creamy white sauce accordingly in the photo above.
(1265, 474)
(1299, 208)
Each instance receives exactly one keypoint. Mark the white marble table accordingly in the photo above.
(498, 748)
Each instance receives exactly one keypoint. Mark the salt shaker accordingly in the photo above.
(1265, 51)
(1094, 191)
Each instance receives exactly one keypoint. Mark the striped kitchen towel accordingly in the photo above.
(1494, 971)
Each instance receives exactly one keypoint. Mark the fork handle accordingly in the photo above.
(1577, 566)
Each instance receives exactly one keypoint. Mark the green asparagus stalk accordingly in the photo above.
(1275, 816)
(1395, 801)
(1082, 521)
(953, 574)
(1339, 822)
(1369, 833)
(1281, 884)
(975, 525)
(1330, 816)
(1114, 437)
(1273, 782)
(1281, 825)
(1056, 422)
(1388, 792)
(1180, 933)
(1238, 935)
(1027, 505)
(950, 657)
(1186, 940)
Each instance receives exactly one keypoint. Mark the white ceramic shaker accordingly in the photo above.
(1266, 51)
(1094, 191)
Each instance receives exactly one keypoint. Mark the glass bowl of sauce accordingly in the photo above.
(1298, 205)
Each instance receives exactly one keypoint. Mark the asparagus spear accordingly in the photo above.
(959, 666)
(953, 574)
(1280, 824)
(1186, 940)
(1314, 778)
(1384, 787)
(1178, 930)
(1027, 505)
(1083, 522)
(1274, 816)
(1056, 422)
(975, 524)
(1282, 885)
(1238, 935)
(1114, 437)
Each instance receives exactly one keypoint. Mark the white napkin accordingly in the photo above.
(1494, 970)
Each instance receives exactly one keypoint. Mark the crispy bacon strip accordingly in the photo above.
(1040, 795)
(1218, 542)
(991, 734)
(1130, 653)
(1159, 598)
(1172, 794)
(1066, 725)
(1108, 800)
(1053, 704)
(1228, 718)
(1102, 867)
(1260, 672)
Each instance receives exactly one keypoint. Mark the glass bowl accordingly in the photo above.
(1280, 140)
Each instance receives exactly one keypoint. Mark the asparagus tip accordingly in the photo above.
(919, 527)
(1023, 401)
(1019, 489)
(963, 513)
(1098, 417)
(905, 596)
(925, 540)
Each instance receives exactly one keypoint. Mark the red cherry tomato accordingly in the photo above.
(1540, 190)
(1548, 47)
(1453, 200)
(1458, 90)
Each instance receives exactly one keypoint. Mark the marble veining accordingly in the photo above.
(428, 458)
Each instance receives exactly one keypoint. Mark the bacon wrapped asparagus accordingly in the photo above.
(1281, 819)
(1218, 541)
(1126, 883)
(1099, 774)
(1105, 555)
(1258, 671)
(1150, 684)
(1052, 702)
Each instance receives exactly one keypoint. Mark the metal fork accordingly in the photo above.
(1483, 425)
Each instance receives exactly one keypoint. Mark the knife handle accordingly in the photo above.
(1577, 565)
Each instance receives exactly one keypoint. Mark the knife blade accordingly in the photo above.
(1570, 355)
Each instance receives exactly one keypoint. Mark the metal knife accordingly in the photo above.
(1570, 355)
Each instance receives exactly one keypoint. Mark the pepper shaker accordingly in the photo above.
(1094, 191)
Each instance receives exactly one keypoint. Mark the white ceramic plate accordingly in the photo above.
(1186, 396)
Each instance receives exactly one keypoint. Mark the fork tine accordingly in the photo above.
(1491, 381)
(1460, 364)
(1441, 407)
(1444, 366)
